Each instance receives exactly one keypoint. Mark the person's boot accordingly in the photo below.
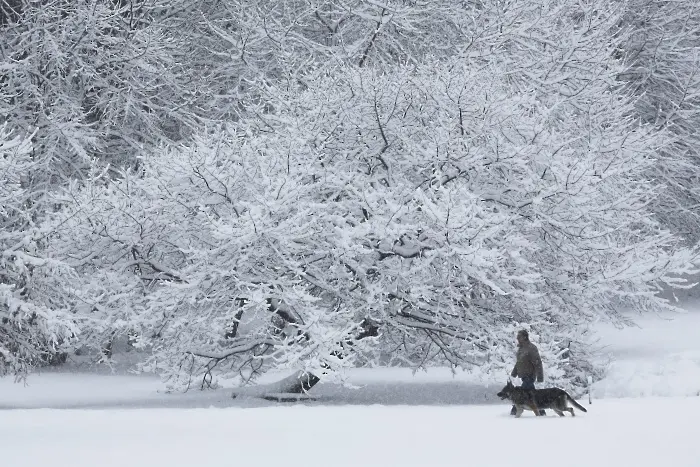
(513, 411)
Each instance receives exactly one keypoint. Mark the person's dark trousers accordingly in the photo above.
(528, 382)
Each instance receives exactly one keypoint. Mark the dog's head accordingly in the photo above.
(506, 391)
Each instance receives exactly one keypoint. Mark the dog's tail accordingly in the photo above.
(575, 404)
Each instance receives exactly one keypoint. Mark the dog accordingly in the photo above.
(537, 399)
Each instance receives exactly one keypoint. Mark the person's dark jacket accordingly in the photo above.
(528, 363)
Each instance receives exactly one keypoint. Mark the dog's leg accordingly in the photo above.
(558, 412)
(518, 411)
(571, 411)
(534, 408)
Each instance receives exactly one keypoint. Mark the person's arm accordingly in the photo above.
(537, 363)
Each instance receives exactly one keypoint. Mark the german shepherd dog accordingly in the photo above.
(549, 398)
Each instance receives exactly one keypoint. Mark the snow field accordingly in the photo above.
(640, 432)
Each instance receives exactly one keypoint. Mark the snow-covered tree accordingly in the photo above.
(88, 82)
(36, 322)
(443, 203)
(89, 79)
(664, 72)
(231, 48)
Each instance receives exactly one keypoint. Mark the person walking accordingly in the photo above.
(528, 364)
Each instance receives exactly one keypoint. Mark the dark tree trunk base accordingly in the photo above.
(293, 388)
(298, 383)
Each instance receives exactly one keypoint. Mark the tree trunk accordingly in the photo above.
(298, 383)
(293, 388)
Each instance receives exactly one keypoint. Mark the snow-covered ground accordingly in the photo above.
(636, 432)
(659, 357)
(397, 418)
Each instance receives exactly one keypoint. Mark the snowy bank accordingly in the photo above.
(658, 357)
(370, 386)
